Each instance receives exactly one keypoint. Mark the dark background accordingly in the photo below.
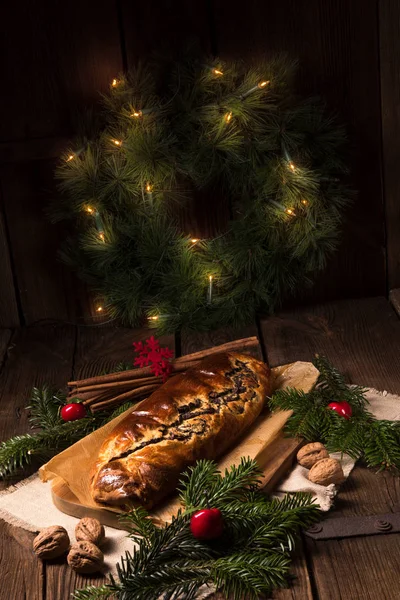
(59, 54)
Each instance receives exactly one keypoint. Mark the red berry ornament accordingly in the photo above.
(342, 408)
(207, 524)
(73, 411)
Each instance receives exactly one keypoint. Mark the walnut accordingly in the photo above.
(309, 454)
(51, 542)
(326, 471)
(85, 557)
(90, 530)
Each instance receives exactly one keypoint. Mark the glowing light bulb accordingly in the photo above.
(194, 240)
(217, 72)
(117, 142)
(137, 113)
(155, 318)
(289, 211)
(148, 188)
(263, 84)
(114, 82)
(210, 278)
(70, 157)
(99, 309)
(291, 166)
(305, 202)
(101, 236)
(89, 209)
(228, 116)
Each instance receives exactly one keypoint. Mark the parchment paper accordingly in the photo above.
(74, 464)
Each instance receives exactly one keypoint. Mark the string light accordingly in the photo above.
(89, 209)
(101, 236)
(291, 166)
(290, 211)
(305, 202)
(217, 72)
(228, 116)
(70, 157)
(114, 82)
(194, 240)
(137, 113)
(148, 188)
(117, 142)
(99, 309)
(262, 84)
(155, 318)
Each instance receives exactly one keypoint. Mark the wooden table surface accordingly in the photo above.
(361, 337)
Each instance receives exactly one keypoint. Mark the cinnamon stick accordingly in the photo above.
(236, 344)
(143, 391)
(121, 376)
(130, 383)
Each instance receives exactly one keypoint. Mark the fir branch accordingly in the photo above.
(360, 436)
(251, 558)
(45, 407)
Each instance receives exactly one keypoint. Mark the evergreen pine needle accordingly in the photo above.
(177, 138)
(252, 557)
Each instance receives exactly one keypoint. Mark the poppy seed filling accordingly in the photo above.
(189, 422)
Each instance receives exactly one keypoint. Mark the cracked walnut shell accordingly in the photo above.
(89, 530)
(85, 557)
(51, 542)
(326, 471)
(310, 454)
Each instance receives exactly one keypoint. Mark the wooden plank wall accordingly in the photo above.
(59, 55)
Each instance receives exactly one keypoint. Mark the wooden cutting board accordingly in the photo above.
(264, 442)
(282, 456)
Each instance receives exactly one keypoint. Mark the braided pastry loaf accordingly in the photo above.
(198, 414)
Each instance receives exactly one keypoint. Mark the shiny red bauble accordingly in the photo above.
(73, 411)
(207, 524)
(341, 408)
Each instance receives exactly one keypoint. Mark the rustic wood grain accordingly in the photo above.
(59, 56)
(394, 297)
(336, 43)
(35, 356)
(362, 338)
(5, 336)
(8, 301)
(389, 28)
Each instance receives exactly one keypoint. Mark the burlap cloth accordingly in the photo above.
(28, 504)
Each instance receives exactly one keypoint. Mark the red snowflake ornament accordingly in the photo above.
(151, 354)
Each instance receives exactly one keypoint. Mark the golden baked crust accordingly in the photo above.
(198, 414)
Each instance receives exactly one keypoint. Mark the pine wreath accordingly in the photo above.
(231, 129)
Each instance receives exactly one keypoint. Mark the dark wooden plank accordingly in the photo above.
(362, 338)
(5, 336)
(389, 28)
(35, 356)
(67, 52)
(172, 25)
(98, 350)
(394, 297)
(336, 42)
(8, 302)
(37, 149)
(44, 283)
